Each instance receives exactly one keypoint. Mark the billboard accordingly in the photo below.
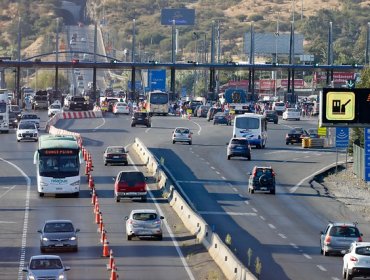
(345, 107)
(157, 79)
(181, 16)
(338, 77)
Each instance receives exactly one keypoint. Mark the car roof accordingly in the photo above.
(350, 224)
(135, 211)
(263, 167)
(58, 221)
(115, 147)
(362, 244)
(181, 127)
(36, 257)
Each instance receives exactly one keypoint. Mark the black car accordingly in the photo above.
(222, 118)
(212, 111)
(78, 102)
(115, 154)
(295, 135)
(13, 121)
(262, 178)
(142, 118)
(238, 147)
(271, 116)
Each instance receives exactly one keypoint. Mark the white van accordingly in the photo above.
(253, 127)
(279, 107)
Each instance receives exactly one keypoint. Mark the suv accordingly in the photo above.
(356, 261)
(130, 184)
(142, 118)
(279, 107)
(40, 102)
(238, 147)
(271, 116)
(338, 237)
(262, 178)
(78, 102)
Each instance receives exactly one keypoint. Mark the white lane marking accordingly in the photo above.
(200, 128)
(272, 226)
(296, 158)
(246, 202)
(6, 222)
(263, 218)
(335, 278)
(293, 189)
(213, 168)
(147, 130)
(174, 241)
(99, 126)
(235, 189)
(197, 155)
(321, 267)
(201, 182)
(307, 256)
(25, 220)
(226, 213)
(7, 191)
(218, 173)
(223, 178)
(282, 235)
(293, 245)
(254, 209)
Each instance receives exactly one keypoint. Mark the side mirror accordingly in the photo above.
(77, 230)
(161, 217)
(126, 218)
(113, 178)
(39, 231)
(343, 252)
(321, 232)
(67, 268)
(25, 270)
(146, 178)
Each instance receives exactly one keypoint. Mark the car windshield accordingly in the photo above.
(263, 171)
(140, 115)
(27, 126)
(131, 177)
(58, 227)
(247, 123)
(144, 216)
(239, 141)
(79, 98)
(182, 130)
(116, 150)
(270, 112)
(296, 131)
(344, 231)
(41, 264)
(365, 251)
(29, 117)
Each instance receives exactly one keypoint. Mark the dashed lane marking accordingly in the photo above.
(321, 267)
(227, 213)
(235, 189)
(255, 210)
(293, 245)
(272, 226)
(246, 202)
(307, 256)
(282, 235)
(218, 173)
(7, 191)
(263, 218)
(213, 168)
(201, 182)
(223, 178)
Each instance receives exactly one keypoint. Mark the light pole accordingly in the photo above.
(367, 44)
(133, 59)
(276, 50)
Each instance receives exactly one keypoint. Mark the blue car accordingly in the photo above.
(222, 118)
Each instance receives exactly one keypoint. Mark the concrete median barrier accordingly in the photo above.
(218, 250)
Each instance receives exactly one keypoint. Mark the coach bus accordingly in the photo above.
(157, 102)
(253, 127)
(58, 159)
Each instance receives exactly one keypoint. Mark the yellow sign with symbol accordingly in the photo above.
(340, 106)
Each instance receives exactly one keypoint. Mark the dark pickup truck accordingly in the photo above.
(78, 103)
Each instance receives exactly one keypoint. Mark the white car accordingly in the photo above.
(144, 222)
(27, 131)
(46, 267)
(292, 114)
(356, 261)
(121, 108)
(279, 107)
(81, 84)
(182, 134)
(54, 109)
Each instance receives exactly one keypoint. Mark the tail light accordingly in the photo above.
(259, 136)
(273, 174)
(359, 239)
(158, 222)
(327, 239)
(353, 258)
(189, 136)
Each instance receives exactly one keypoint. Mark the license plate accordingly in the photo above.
(263, 189)
(140, 119)
(144, 232)
(116, 157)
(59, 245)
(59, 189)
(131, 193)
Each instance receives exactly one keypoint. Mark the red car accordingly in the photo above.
(130, 184)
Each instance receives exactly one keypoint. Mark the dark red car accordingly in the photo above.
(130, 184)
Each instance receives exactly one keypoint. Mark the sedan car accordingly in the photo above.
(54, 109)
(142, 118)
(356, 261)
(27, 131)
(115, 154)
(144, 223)
(222, 118)
(202, 111)
(338, 236)
(238, 147)
(295, 135)
(58, 234)
(262, 178)
(46, 267)
(292, 114)
(212, 111)
(313, 133)
(121, 108)
(271, 116)
(182, 134)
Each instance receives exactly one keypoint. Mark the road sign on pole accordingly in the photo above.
(342, 137)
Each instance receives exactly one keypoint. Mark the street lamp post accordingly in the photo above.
(276, 51)
(133, 82)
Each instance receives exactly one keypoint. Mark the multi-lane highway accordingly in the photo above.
(282, 230)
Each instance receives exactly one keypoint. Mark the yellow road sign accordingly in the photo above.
(340, 106)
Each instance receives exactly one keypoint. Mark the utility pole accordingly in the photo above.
(173, 73)
(18, 73)
(133, 82)
(56, 57)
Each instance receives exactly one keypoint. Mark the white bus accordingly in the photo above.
(4, 111)
(158, 102)
(253, 127)
(58, 159)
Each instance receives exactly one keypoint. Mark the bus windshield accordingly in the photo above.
(159, 98)
(247, 123)
(59, 166)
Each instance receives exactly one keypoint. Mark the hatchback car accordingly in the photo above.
(115, 154)
(130, 184)
(338, 236)
(27, 131)
(121, 108)
(313, 133)
(262, 178)
(222, 118)
(356, 261)
(142, 118)
(58, 234)
(238, 147)
(144, 223)
(271, 116)
(182, 134)
(292, 114)
(46, 267)
(54, 109)
(295, 135)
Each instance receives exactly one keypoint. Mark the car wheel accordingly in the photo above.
(190, 143)
(228, 157)
(105, 163)
(76, 194)
(272, 191)
(173, 142)
(41, 194)
(287, 143)
(118, 199)
(348, 276)
(42, 250)
(251, 191)
(143, 198)
(18, 140)
(325, 253)
(249, 158)
(129, 237)
(160, 237)
(126, 163)
(321, 251)
(132, 125)
(344, 273)
(36, 140)
(75, 249)
(275, 122)
(258, 146)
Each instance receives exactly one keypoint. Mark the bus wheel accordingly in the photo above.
(76, 194)
(41, 194)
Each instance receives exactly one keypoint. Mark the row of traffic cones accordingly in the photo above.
(99, 217)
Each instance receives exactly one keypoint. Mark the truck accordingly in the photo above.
(237, 100)
(4, 111)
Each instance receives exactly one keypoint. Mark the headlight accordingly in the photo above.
(61, 277)
(43, 184)
(31, 277)
(72, 238)
(45, 239)
(76, 183)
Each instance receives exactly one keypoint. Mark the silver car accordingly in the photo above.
(338, 237)
(144, 222)
(58, 234)
(46, 267)
(182, 134)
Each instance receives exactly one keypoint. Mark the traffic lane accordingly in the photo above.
(164, 261)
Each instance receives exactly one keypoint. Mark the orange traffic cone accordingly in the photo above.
(111, 263)
(93, 197)
(86, 169)
(113, 274)
(105, 249)
(97, 217)
(101, 225)
(83, 152)
(103, 236)
(91, 182)
(96, 208)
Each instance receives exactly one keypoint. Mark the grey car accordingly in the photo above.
(238, 147)
(144, 223)
(46, 267)
(58, 234)
(338, 237)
